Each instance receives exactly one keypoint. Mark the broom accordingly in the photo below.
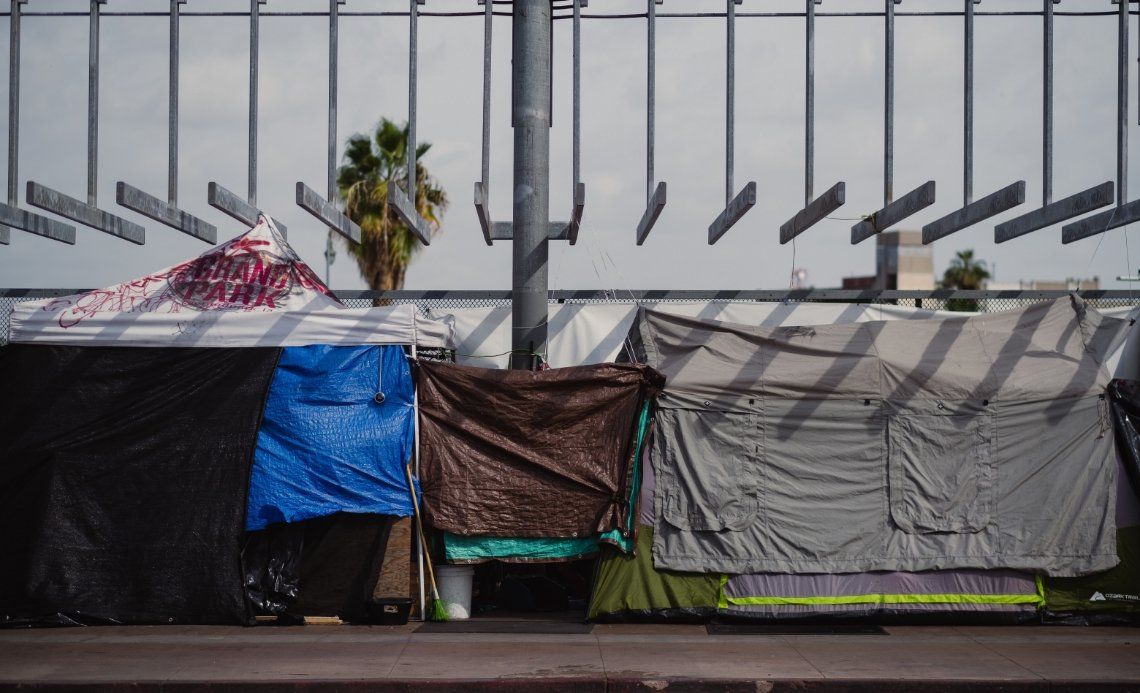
(438, 607)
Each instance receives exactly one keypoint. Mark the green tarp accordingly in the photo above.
(1108, 597)
(629, 588)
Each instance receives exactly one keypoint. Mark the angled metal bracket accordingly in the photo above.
(504, 231)
(652, 211)
(401, 201)
(972, 211)
(737, 206)
(85, 212)
(163, 212)
(68, 207)
(744, 201)
(579, 191)
(991, 205)
(167, 211)
(226, 201)
(409, 215)
(575, 223)
(483, 186)
(1099, 223)
(24, 220)
(914, 201)
(1056, 212)
(1051, 212)
(314, 204)
(14, 125)
(482, 212)
(656, 194)
(816, 210)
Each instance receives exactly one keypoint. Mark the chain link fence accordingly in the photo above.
(444, 301)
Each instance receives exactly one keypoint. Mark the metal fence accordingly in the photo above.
(443, 301)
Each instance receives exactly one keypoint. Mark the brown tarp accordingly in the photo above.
(529, 454)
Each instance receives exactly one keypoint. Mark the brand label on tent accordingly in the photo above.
(1114, 597)
(256, 271)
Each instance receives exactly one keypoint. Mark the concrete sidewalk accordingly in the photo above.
(611, 658)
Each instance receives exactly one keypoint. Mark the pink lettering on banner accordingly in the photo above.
(261, 272)
(242, 293)
(251, 273)
(265, 298)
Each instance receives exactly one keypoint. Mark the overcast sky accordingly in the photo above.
(690, 134)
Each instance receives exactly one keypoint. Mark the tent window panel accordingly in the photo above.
(713, 457)
(941, 469)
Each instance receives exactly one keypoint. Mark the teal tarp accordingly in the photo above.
(459, 549)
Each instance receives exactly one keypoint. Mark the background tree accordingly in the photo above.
(965, 272)
(373, 163)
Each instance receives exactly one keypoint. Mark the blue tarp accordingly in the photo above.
(326, 445)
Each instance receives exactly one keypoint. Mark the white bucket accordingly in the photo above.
(454, 582)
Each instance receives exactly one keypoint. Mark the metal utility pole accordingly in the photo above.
(532, 30)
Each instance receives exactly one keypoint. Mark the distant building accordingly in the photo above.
(1068, 284)
(902, 262)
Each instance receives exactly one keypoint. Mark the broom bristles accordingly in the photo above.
(438, 610)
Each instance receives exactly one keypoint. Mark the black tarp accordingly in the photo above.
(325, 566)
(123, 481)
(1125, 401)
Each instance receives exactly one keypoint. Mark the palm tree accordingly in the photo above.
(375, 162)
(967, 273)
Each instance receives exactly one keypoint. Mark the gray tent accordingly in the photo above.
(977, 442)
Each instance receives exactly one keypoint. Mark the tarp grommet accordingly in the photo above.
(378, 398)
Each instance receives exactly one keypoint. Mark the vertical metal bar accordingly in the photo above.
(1047, 108)
(889, 104)
(413, 59)
(334, 16)
(650, 94)
(172, 109)
(730, 99)
(532, 25)
(968, 109)
(1122, 106)
(254, 22)
(416, 461)
(486, 168)
(334, 76)
(93, 104)
(14, 102)
(809, 100)
(577, 97)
